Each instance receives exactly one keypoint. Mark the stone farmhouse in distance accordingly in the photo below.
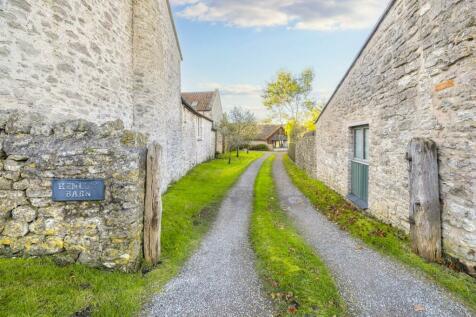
(415, 77)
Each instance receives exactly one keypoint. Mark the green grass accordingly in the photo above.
(294, 275)
(382, 237)
(37, 287)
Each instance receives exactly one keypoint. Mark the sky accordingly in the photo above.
(237, 46)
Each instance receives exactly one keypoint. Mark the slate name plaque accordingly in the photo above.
(78, 189)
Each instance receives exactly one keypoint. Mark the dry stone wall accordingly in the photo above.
(305, 154)
(33, 152)
(415, 78)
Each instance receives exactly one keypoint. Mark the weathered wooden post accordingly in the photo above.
(425, 209)
(153, 206)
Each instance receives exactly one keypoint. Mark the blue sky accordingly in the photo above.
(239, 45)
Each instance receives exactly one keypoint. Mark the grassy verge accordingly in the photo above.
(37, 287)
(379, 236)
(295, 277)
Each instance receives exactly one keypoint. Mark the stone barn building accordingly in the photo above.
(97, 61)
(199, 137)
(106, 78)
(415, 77)
(208, 103)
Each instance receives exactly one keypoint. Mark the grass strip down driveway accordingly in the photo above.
(381, 237)
(38, 287)
(294, 275)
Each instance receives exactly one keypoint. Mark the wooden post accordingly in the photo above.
(425, 209)
(153, 206)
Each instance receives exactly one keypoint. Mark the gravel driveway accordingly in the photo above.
(220, 279)
(371, 284)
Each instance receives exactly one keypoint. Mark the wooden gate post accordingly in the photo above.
(425, 209)
(153, 206)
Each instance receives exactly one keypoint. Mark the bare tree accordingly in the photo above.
(238, 127)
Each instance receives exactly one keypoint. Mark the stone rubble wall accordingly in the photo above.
(67, 59)
(196, 150)
(157, 84)
(105, 234)
(305, 154)
(415, 78)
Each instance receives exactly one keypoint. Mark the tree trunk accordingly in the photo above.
(229, 156)
(237, 151)
(153, 206)
(425, 209)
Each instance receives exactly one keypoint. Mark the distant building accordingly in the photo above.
(208, 103)
(272, 135)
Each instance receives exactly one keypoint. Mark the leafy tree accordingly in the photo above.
(239, 128)
(289, 98)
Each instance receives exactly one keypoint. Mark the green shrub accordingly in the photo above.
(259, 147)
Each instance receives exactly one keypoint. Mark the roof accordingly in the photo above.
(200, 101)
(195, 112)
(174, 28)
(267, 130)
(382, 18)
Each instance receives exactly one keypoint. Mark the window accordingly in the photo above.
(361, 143)
(200, 128)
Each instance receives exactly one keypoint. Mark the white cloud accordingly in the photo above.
(322, 15)
(233, 89)
(182, 2)
(247, 96)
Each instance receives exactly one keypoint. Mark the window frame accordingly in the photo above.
(365, 144)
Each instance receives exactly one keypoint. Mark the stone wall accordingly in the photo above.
(196, 149)
(217, 117)
(70, 58)
(415, 78)
(305, 154)
(157, 90)
(33, 152)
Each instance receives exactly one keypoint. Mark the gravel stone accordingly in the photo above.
(220, 278)
(372, 284)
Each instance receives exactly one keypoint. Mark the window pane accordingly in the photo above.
(359, 144)
(366, 141)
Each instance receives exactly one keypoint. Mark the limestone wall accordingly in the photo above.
(196, 149)
(33, 152)
(67, 59)
(415, 78)
(157, 92)
(305, 154)
(217, 117)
